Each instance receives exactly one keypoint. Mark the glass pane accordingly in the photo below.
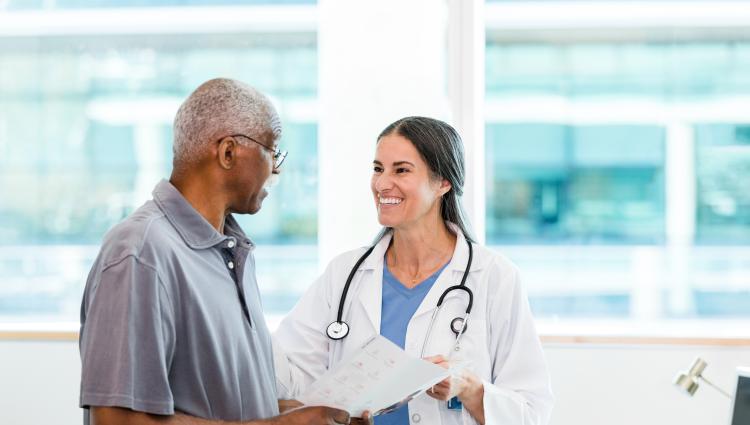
(93, 4)
(590, 175)
(85, 134)
(556, 183)
(723, 180)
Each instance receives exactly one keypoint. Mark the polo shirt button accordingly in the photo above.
(230, 244)
(230, 264)
(416, 418)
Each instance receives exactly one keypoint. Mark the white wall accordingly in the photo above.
(627, 385)
(375, 66)
(39, 383)
(594, 384)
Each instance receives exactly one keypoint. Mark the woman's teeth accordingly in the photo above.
(392, 201)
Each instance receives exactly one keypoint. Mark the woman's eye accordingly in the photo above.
(377, 169)
(402, 170)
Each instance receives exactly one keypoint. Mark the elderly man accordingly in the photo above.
(172, 330)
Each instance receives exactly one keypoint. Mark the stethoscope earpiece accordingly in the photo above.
(337, 330)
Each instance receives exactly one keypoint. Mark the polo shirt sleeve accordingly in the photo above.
(127, 340)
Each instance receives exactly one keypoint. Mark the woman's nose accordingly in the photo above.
(382, 182)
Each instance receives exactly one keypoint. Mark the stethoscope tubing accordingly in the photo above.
(340, 329)
(345, 291)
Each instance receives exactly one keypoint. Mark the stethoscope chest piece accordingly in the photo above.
(457, 324)
(337, 330)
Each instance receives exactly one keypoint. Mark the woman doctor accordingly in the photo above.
(424, 249)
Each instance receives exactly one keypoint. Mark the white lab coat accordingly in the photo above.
(500, 340)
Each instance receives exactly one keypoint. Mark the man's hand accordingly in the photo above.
(317, 415)
(366, 419)
(335, 415)
(301, 416)
(287, 406)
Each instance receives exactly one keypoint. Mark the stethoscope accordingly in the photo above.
(339, 329)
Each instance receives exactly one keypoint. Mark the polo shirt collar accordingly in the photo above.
(194, 229)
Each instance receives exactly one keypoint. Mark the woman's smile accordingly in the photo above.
(389, 201)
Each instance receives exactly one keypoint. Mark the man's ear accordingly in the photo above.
(226, 152)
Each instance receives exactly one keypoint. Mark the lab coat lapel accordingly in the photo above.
(371, 285)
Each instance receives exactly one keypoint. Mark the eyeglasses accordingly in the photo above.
(278, 155)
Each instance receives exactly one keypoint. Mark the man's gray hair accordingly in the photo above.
(219, 108)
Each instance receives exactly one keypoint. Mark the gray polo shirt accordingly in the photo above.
(171, 318)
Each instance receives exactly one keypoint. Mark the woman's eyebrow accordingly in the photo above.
(395, 164)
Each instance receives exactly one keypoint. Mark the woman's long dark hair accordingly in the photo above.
(442, 150)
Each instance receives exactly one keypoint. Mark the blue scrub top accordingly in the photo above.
(399, 305)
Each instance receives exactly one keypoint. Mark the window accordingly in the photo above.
(92, 4)
(615, 155)
(86, 132)
(550, 183)
(722, 157)
(617, 173)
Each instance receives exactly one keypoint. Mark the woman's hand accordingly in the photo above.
(465, 385)
(441, 391)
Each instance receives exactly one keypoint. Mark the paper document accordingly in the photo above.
(379, 377)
